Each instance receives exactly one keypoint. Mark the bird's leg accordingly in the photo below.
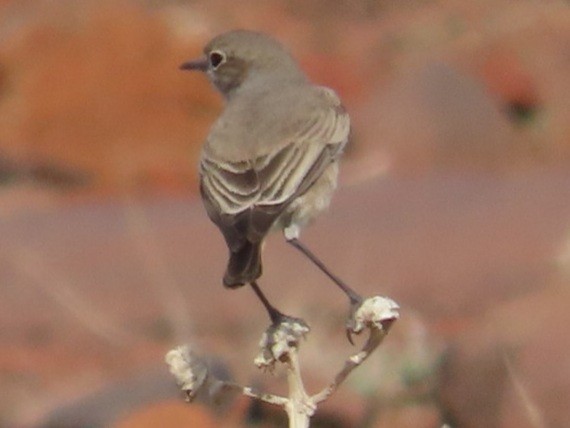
(274, 314)
(353, 296)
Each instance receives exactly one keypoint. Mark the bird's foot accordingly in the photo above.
(279, 340)
(373, 313)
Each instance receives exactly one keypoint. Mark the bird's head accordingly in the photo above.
(240, 56)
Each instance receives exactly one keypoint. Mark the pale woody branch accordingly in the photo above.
(280, 344)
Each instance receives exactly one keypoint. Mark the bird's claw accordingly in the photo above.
(349, 335)
(351, 323)
(371, 313)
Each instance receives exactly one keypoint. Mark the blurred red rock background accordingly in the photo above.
(455, 200)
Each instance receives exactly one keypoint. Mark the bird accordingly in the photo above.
(271, 159)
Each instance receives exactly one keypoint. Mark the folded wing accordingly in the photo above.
(245, 198)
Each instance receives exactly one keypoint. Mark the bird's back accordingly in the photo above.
(266, 117)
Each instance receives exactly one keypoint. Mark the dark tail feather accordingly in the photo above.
(244, 265)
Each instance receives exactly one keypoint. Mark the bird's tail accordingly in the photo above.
(244, 265)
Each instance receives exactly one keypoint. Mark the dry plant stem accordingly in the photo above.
(374, 340)
(280, 344)
(275, 400)
(299, 407)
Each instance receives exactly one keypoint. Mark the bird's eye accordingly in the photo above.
(216, 59)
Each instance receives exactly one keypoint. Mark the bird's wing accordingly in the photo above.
(244, 198)
(288, 172)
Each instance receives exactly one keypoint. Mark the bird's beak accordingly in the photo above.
(200, 64)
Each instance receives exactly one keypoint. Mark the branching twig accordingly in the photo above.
(355, 360)
(280, 344)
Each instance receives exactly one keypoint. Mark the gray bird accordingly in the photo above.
(271, 159)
